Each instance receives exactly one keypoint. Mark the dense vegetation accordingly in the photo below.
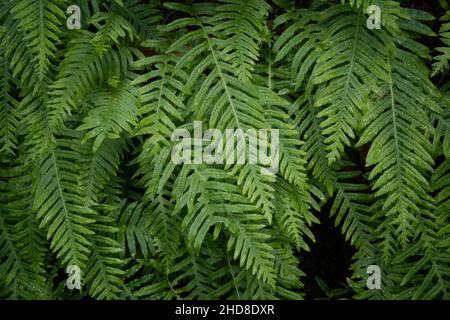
(86, 177)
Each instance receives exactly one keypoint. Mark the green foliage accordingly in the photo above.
(86, 177)
(441, 61)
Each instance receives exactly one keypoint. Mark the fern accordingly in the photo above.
(9, 115)
(441, 61)
(35, 31)
(60, 209)
(86, 139)
(23, 244)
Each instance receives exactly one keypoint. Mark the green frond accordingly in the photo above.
(147, 281)
(164, 227)
(243, 26)
(23, 247)
(59, 205)
(103, 268)
(441, 140)
(112, 29)
(293, 215)
(134, 232)
(250, 246)
(258, 188)
(289, 274)
(194, 272)
(203, 192)
(114, 110)
(19, 279)
(351, 209)
(398, 118)
(242, 284)
(298, 44)
(97, 168)
(359, 3)
(308, 124)
(161, 106)
(354, 125)
(345, 76)
(82, 71)
(234, 100)
(9, 116)
(429, 275)
(144, 17)
(39, 24)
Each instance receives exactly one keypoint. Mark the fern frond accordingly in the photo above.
(165, 229)
(293, 215)
(161, 108)
(298, 44)
(194, 274)
(59, 204)
(235, 102)
(308, 123)
(243, 25)
(148, 282)
(144, 17)
(134, 231)
(23, 247)
(219, 202)
(40, 24)
(114, 111)
(112, 29)
(359, 3)
(399, 118)
(103, 268)
(441, 62)
(9, 116)
(345, 76)
(98, 168)
(83, 70)
(351, 209)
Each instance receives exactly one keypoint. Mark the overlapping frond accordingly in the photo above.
(224, 98)
(356, 130)
(22, 244)
(442, 60)
(134, 232)
(97, 168)
(144, 17)
(59, 205)
(84, 69)
(351, 210)
(34, 31)
(114, 111)
(398, 127)
(345, 76)
(104, 267)
(9, 115)
(212, 201)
